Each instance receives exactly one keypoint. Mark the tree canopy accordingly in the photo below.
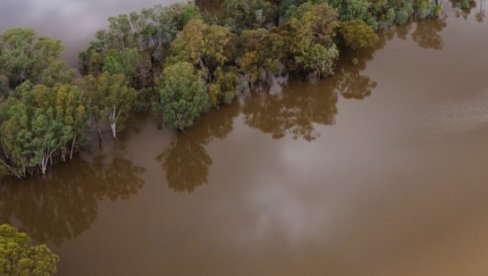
(19, 257)
(183, 95)
(25, 56)
(41, 124)
(178, 59)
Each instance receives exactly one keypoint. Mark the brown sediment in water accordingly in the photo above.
(379, 170)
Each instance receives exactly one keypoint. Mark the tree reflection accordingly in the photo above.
(465, 7)
(63, 204)
(480, 12)
(350, 83)
(426, 33)
(186, 161)
(186, 164)
(293, 111)
(301, 105)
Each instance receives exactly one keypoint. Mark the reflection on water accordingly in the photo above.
(466, 7)
(426, 34)
(349, 80)
(185, 160)
(480, 11)
(396, 187)
(63, 204)
(301, 104)
(293, 111)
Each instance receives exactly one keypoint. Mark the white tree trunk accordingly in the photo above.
(113, 122)
(113, 126)
(44, 163)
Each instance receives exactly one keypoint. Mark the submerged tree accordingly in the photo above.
(357, 34)
(187, 152)
(208, 47)
(309, 40)
(19, 257)
(41, 124)
(261, 54)
(110, 99)
(183, 95)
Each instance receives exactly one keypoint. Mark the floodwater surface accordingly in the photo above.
(379, 170)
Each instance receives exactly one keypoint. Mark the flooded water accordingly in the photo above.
(380, 170)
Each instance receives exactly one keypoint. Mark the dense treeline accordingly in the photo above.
(176, 60)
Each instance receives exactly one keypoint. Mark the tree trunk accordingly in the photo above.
(73, 143)
(43, 165)
(113, 126)
(99, 134)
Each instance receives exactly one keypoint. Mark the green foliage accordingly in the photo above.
(24, 56)
(205, 46)
(18, 257)
(183, 95)
(248, 14)
(309, 40)
(262, 52)
(223, 89)
(110, 100)
(41, 124)
(357, 34)
(137, 44)
(125, 62)
(289, 7)
(404, 13)
(4, 86)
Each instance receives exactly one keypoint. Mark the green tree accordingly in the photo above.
(24, 56)
(110, 99)
(41, 124)
(127, 62)
(248, 14)
(288, 7)
(148, 32)
(309, 44)
(18, 257)
(183, 95)
(357, 34)
(223, 89)
(205, 46)
(261, 54)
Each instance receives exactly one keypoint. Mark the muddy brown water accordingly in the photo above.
(380, 170)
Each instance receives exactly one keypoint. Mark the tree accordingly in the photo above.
(110, 99)
(288, 7)
(127, 62)
(24, 56)
(148, 32)
(261, 54)
(223, 89)
(19, 257)
(205, 46)
(309, 44)
(183, 95)
(357, 34)
(248, 14)
(41, 124)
